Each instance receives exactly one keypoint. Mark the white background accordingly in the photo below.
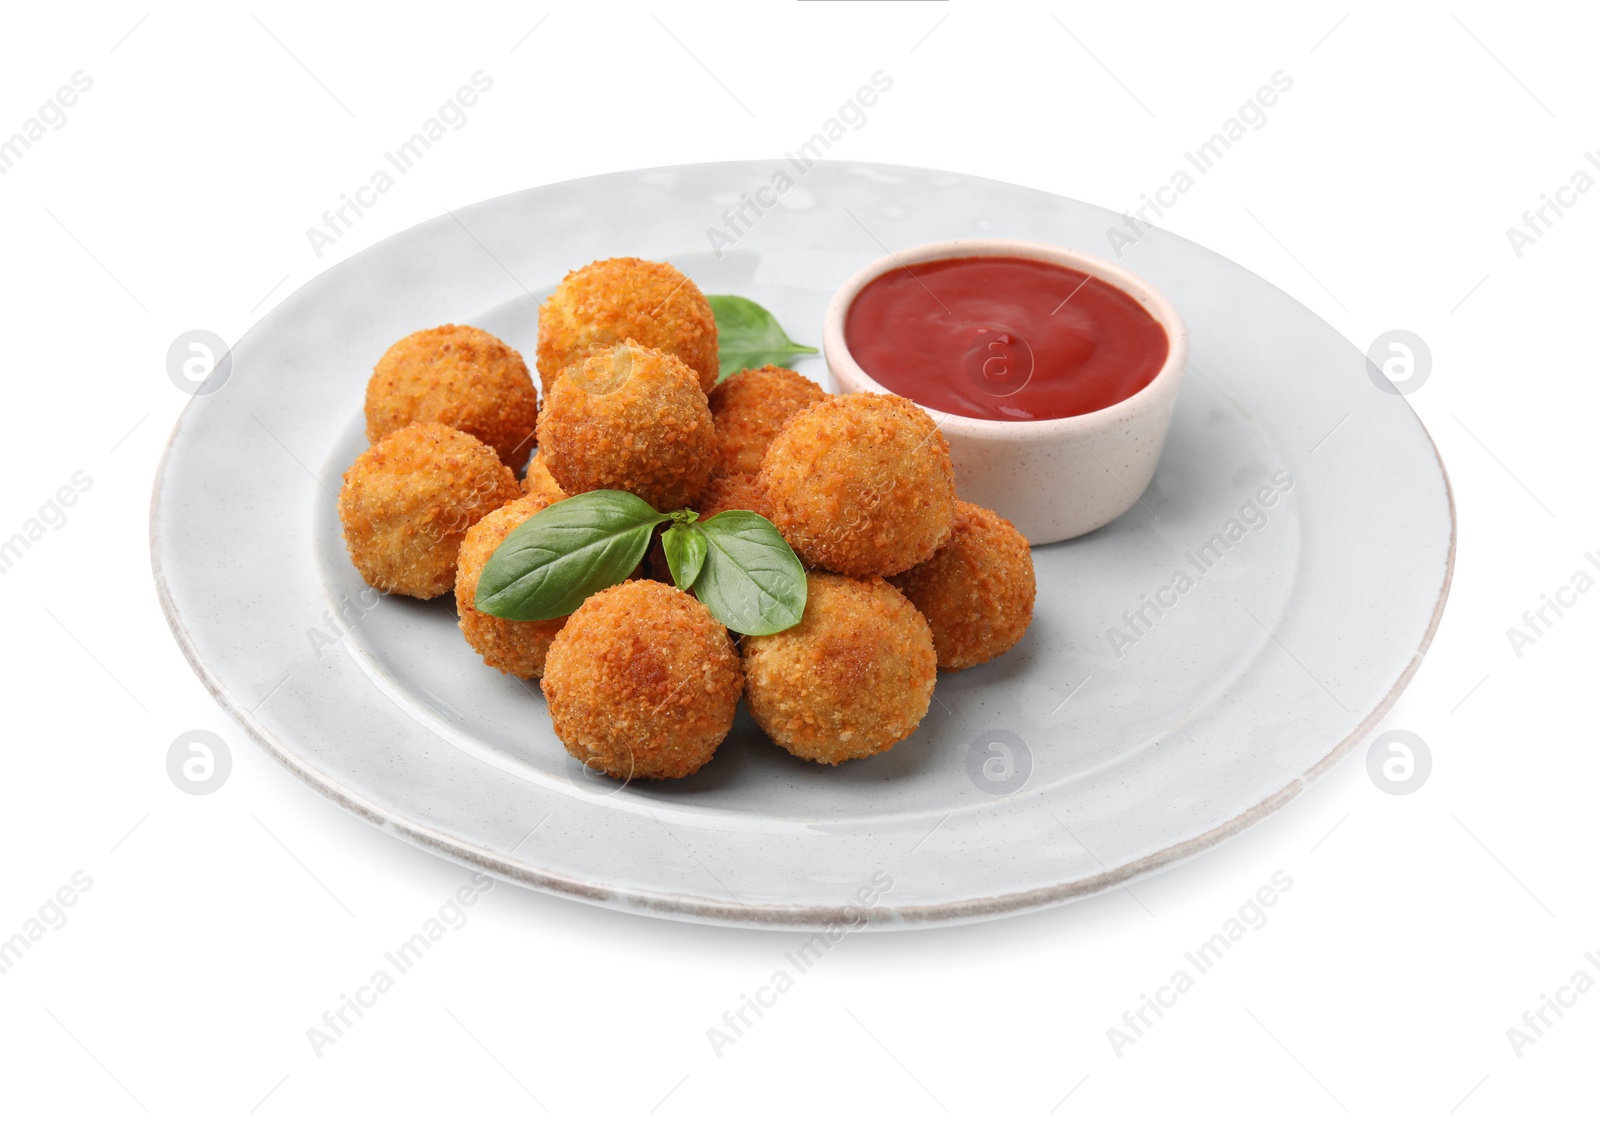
(219, 928)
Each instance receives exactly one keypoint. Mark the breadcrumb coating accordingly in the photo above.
(642, 682)
(461, 377)
(977, 591)
(517, 648)
(751, 407)
(538, 479)
(852, 679)
(408, 501)
(629, 417)
(731, 491)
(861, 484)
(618, 299)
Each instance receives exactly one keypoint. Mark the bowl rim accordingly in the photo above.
(1161, 388)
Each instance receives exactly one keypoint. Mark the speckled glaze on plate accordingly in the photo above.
(1144, 718)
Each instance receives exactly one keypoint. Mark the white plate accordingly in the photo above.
(1123, 757)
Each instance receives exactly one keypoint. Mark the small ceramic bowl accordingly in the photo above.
(1052, 478)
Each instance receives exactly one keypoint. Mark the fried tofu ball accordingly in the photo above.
(629, 417)
(408, 501)
(539, 480)
(642, 682)
(751, 407)
(618, 299)
(861, 484)
(853, 678)
(517, 648)
(461, 377)
(977, 591)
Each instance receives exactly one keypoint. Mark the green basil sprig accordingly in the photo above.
(564, 553)
(685, 548)
(749, 337)
(736, 563)
(751, 579)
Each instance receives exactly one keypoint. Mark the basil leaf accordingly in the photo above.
(748, 336)
(685, 548)
(562, 554)
(751, 580)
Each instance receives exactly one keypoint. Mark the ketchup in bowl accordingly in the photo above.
(1003, 338)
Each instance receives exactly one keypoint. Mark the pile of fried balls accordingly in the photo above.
(642, 682)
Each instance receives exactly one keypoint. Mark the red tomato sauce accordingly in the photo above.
(1003, 338)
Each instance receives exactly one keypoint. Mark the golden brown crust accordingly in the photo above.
(751, 407)
(629, 417)
(977, 591)
(642, 682)
(539, 480)
(461, 377)
(408, 501)
(861, 484)
(616, 299)
(851, 680)
(517, 648)
(731, 491)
